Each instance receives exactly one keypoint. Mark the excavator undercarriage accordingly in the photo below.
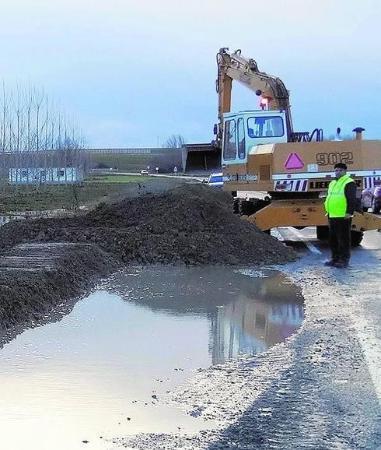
(300, 213)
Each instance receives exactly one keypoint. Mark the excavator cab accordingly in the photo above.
(246, 130)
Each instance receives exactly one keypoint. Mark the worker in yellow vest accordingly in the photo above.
(340, 205)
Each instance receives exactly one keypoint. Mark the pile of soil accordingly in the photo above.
(192, 224)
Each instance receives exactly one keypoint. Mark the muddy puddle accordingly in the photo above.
(105, 369)
(6, 219)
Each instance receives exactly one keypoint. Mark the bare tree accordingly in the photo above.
(174, 141)
(33, 134)
(4, 119)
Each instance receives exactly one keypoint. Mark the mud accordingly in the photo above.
(191, 224)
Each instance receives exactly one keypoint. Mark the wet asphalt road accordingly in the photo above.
(321, 389)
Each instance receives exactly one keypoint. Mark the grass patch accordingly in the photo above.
(40, 198)
(115, 179)
(121, 161)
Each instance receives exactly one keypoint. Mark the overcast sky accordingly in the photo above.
(132, 73)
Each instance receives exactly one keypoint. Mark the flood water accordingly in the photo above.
(104, 369)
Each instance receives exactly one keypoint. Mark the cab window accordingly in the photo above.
(230, 140)
(241, 139)
(260, 127)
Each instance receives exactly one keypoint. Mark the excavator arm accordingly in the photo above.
(233, 66)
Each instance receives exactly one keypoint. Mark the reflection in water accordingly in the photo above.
(247, 327)
(248, 314)
(103, 370)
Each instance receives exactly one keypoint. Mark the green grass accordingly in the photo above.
(115, 179)
(40, 198)
(120, 161)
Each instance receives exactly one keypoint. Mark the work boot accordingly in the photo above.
(330, 263)
(341, 264)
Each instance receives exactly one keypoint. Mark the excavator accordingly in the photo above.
(284, 174)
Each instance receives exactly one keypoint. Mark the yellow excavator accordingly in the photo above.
(284, 174)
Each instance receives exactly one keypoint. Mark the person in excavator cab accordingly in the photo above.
(340, 205)
(376, 199)
(366, 198)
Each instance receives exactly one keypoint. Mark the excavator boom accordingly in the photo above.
(233, 66)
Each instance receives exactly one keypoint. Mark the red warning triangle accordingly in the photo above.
(294, 161)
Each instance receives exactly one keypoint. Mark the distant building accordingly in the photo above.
(49, 175)
(43, 167)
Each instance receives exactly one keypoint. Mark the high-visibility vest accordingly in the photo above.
(336, 202)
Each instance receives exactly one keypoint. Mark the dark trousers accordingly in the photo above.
(340, 239)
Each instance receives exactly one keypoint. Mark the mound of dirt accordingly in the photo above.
(192, 224)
